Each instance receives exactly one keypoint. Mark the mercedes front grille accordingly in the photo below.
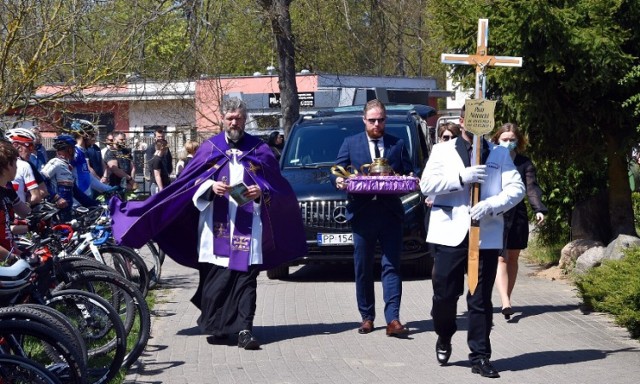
(324, 214)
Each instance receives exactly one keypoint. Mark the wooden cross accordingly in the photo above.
(481, 60)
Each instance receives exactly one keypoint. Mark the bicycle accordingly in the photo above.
(154, 257)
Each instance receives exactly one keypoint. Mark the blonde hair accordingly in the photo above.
(191, 146)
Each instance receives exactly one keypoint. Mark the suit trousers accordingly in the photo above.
(376, 222)
(450, 265)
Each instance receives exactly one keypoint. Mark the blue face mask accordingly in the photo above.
(510, 145)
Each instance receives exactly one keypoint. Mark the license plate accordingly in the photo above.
(335, 238)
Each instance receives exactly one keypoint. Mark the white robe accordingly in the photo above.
(206, 252)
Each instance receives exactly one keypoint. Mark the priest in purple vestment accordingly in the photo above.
(230, 214)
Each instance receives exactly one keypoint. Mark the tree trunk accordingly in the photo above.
(620, 205)
(278, 13)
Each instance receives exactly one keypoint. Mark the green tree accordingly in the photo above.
(73, 44)
(568, 96)
(376, 37)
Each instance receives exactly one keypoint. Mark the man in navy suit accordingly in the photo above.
(376, 218)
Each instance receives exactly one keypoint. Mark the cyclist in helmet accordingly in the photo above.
(29, 183)
(86, 181)
(62, 178)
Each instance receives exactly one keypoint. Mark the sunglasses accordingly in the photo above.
(373, 121)
(446, 137)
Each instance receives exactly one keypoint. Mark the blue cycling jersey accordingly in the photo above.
(81, 168)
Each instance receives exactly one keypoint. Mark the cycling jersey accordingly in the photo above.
(8, 198)
(61, 177)
(81, 168)
(25, 180)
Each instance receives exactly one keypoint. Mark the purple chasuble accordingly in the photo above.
(171, 219)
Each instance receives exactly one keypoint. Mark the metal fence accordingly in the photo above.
(139, 144)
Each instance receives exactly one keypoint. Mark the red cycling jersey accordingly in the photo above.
(7, 198)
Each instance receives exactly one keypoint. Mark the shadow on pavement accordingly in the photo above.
(177, 281)
(535, 310)
(272, 334)
(338, 272)
(156, 368)
(547, 358)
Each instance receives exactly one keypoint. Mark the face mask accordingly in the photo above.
(510, 145)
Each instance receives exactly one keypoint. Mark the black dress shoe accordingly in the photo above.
(220, 336)
(507, 312)
(484, 368)
(217, 339)
(443, 351)
(247, 341)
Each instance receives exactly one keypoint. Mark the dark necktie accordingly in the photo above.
(376, 150)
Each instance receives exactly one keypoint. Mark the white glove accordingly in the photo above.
(473, 174)
(480, 210)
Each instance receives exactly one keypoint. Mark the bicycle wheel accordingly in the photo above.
(20, 370)
(69, 263)
(149, 253)
(100, 327)
(70, 266)
(50, 318)
(34, 340)
(127, 263)
(129, 304)
(161, 255)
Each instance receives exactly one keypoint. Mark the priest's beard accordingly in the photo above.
(234, 134)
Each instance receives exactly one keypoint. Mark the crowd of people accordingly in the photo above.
(230, 214)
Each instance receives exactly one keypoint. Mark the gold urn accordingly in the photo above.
(379, 167)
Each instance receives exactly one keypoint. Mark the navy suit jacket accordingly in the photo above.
(355, 152)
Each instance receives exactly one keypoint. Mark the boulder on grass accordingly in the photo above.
(615, 249)
(591, 258)
(573, 250)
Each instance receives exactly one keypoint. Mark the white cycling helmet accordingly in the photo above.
(82, 127)
(20, 135)
(15, 277)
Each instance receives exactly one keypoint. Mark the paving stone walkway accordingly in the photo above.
(307, 327)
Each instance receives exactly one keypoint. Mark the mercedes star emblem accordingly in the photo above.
(340, 214)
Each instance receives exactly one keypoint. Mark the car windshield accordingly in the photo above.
(315, 145)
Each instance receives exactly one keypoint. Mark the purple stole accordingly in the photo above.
(239, 248)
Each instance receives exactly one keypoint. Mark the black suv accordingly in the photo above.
(309, 153)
